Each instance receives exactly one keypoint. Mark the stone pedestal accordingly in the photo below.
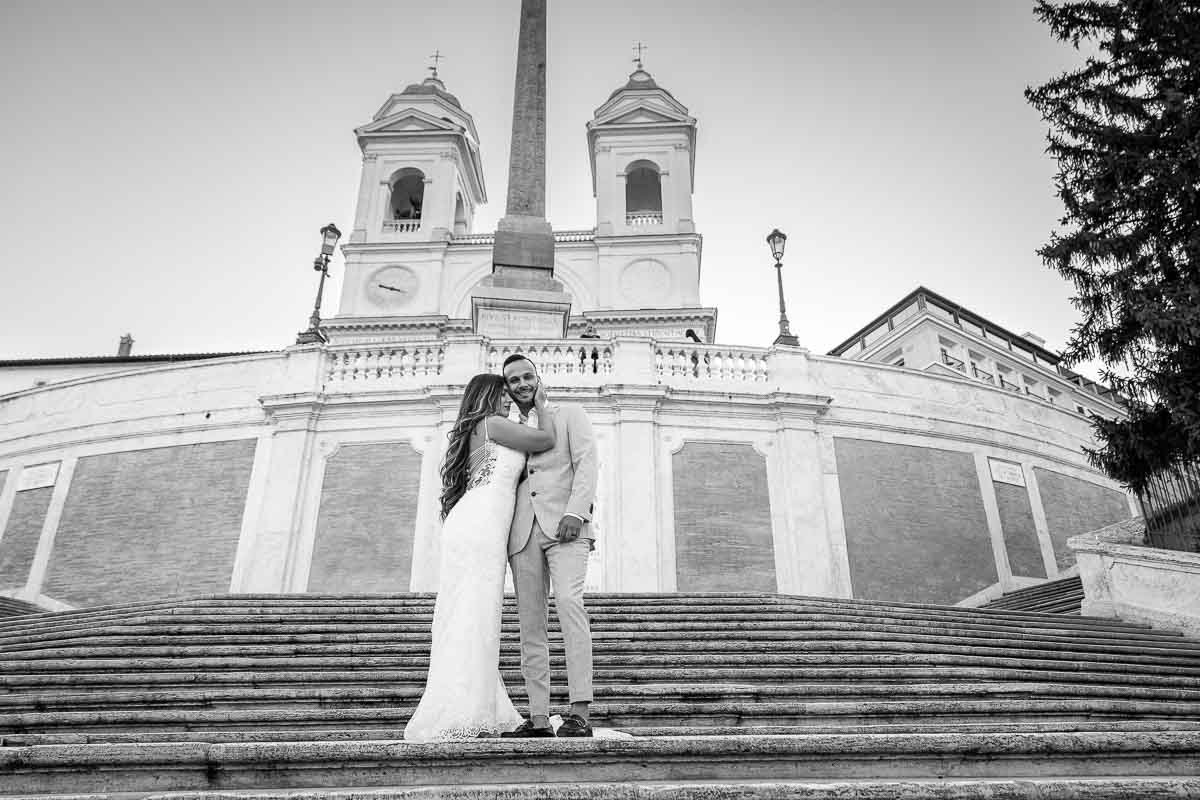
(521, 298)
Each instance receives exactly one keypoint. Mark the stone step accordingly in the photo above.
(217, 606)
(350, 673)
(612, 654)
(629, 663)
(383, 733)
(11, 607)
(1067, 592)
(784, 630)
(826, 789)
(305, 695)
(1171, 757)
(606, 647)
(617, 715)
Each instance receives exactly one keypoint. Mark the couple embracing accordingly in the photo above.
(522, 489)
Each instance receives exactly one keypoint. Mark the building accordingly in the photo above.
(933, 457)
(926, 331)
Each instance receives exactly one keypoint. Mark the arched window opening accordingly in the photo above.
(404, 206)
(643, 194)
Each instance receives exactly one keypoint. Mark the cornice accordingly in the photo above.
(649, 315)
(387, 323)
(642, 238)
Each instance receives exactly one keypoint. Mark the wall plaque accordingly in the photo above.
(38, 477)
(1006, 472)
(506, 323)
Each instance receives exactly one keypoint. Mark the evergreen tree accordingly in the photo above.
(1125, 130)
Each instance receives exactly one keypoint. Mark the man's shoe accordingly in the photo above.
(526, 731)
(574, 725)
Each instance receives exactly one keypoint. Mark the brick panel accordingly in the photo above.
(151, 523)
(1074, 506)
(21, 535)
(723, 539)
(367, 520)
(916, 530)
(1020, 532)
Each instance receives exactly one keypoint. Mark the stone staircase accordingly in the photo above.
(1064, 596)
(723, 695)
(11, 607)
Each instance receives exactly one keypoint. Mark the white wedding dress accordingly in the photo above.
(464, 693)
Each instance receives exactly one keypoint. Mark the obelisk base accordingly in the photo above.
(520, 314)
(524, 242)
(521, 298)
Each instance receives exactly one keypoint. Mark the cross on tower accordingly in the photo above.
(437, 56)
(639, 47)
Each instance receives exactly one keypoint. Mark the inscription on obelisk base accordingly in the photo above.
(521, 298)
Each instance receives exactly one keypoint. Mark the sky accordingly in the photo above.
(167, 165)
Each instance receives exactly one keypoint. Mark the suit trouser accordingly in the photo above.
(542, 561)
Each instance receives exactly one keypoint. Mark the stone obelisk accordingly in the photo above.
(521, 298)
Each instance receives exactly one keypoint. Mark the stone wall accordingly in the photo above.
(1075, 506)
(916, 530)
(364, 539)
(1020, 531)
(723, 540)
(151, 523)
(21, 535)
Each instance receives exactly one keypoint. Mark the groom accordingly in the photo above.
(549, 542)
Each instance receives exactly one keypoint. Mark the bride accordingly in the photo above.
(464, 693)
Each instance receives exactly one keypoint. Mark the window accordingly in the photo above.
(407, 199)
(643, 194)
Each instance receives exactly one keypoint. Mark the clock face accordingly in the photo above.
(391, 287)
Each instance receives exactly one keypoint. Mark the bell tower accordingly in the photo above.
(643, 150)
(642, 144)
(422, 180)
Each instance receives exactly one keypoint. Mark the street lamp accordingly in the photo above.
(329, 239)
(777, 239)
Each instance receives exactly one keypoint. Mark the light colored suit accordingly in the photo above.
(559, 481)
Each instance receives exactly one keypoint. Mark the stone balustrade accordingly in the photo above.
(675, 362)
(357, 367)
(639, 218)
(575, 361)
(401, 225)
(562, 362)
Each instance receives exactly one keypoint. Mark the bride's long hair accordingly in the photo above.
(480, 399)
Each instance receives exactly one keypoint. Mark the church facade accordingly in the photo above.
(924, 477)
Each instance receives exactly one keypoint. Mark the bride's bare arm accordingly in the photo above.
(522, 437)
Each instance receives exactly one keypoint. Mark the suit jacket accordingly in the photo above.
(558, 481)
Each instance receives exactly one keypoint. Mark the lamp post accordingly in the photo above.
(777, 239)
(329, 239)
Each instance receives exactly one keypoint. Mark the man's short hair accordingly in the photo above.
(518, 357)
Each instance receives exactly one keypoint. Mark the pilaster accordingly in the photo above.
(991, 510)
(271, 560)
(804, 550)
(58, 501)
(632, 547)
